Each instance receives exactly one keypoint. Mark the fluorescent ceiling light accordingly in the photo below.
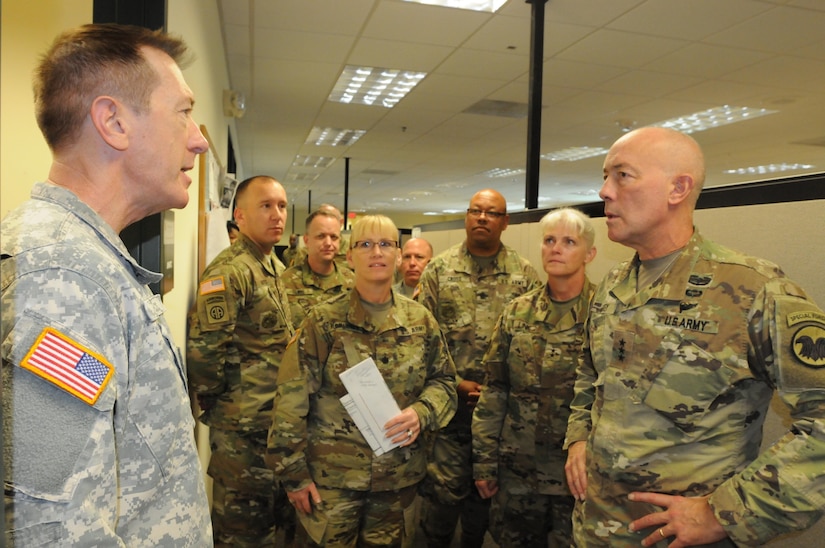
(770, 168)
(374, 86)
(327, 136)
(475, 5)
(573, 153)
(714, 117)
(312, 161)
(301, 177)
(503, 172)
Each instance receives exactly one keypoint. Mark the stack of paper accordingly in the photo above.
(370, 403)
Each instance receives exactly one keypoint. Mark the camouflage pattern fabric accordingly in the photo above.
(116, 466)
(237, 334)
(238, 330)
(404, 289)
(521, 418)
(305, 288)
(466, 300)
(289, 255)
(313, 439)
(247, 506)
(362, 518)
(673, 390)
(519, 521)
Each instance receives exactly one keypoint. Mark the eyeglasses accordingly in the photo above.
(491, 214)
(367, 245)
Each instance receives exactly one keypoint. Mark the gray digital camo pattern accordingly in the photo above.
(237, 335)
(125, 471)
(305, 288)
(674, 387)
(313, 439)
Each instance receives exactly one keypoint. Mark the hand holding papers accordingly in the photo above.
(370, 403)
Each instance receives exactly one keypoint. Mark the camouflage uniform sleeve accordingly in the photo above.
(579, 424)
(533, 276)
(211, 328)
(428, 290)
(438, 400)
(298, 378)
(489, 413)
(788, 335)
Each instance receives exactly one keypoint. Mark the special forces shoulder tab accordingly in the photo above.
(808, 343)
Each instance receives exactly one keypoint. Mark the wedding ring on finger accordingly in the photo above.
(409, 433)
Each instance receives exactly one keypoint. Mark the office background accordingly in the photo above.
(789, 233)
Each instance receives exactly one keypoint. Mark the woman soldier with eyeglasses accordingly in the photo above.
(346, 494)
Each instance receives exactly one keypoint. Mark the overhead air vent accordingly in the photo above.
(505, 109)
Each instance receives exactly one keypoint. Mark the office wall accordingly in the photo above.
(791, 234)
(28, 28)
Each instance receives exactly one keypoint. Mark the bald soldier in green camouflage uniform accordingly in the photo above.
(685, 346)
(521, 416)
(345, 493)
(466, 288)
(318, 277)
(237, 335)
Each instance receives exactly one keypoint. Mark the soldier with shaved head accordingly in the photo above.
(685, 346)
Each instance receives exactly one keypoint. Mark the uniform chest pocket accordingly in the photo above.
(526, 351)
(456, 306)
(692, 384)
(157, 411)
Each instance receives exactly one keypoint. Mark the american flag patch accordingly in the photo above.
(62, 361)
(212, 285)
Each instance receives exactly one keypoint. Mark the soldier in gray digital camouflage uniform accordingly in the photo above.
(521, 416)
(466, 288)
(685, 346)
(98, 433)
(237, 334)
(345, 494)
(319, 277)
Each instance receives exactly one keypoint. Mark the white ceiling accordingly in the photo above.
(606, 63)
